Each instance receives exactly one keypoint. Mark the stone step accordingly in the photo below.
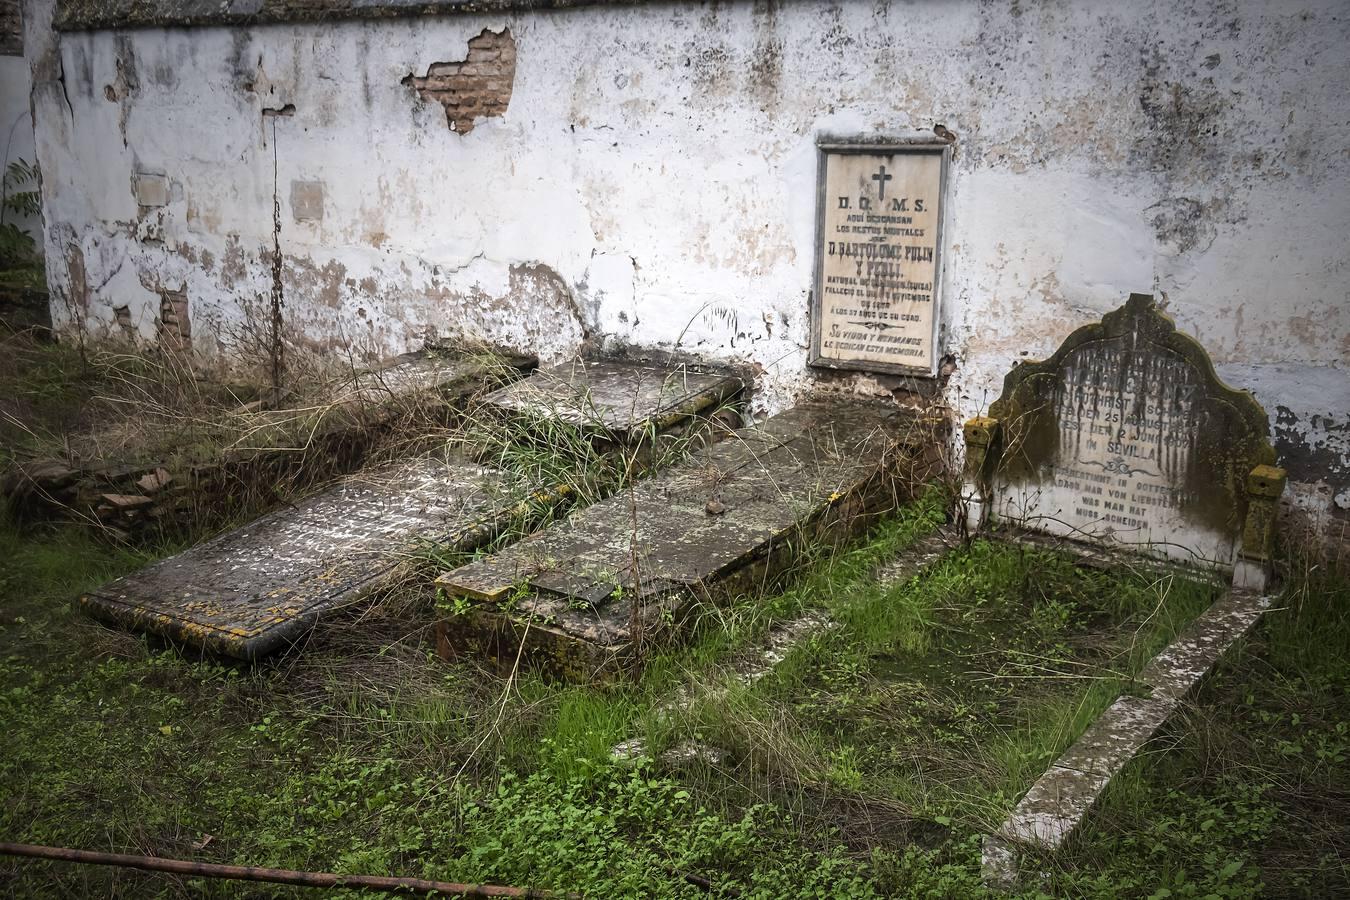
(581, 595)
(256, 590)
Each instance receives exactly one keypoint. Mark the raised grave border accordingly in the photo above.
(1055, 807)
(1125, 444)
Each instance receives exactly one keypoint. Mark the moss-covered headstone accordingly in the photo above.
(1126, 436)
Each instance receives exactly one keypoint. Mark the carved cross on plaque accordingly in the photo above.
(881, 178)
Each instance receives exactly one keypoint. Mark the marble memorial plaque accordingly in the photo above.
(1126, 436)
(878, 257)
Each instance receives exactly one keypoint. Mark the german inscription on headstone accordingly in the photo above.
(878, 257)
(1127, 436)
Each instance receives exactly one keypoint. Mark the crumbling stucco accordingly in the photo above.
(476, 87)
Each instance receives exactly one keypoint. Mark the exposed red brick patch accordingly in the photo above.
(175, 328)
(78, 293)
(122, 319)
(478, 86)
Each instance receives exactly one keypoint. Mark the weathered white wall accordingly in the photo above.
(652, 182)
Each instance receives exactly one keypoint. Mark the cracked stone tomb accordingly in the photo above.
(1125, 443)
(263, 587)
(579, 597)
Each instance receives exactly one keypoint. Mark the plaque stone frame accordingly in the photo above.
(830, 145)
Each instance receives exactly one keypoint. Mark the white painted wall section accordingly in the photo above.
(652, 183)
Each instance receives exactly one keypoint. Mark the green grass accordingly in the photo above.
(1254, 798)
(348, 761)
(944, 696)
(867, 765)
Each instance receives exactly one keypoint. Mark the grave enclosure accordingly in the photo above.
(587, 592)
(1125, 437)
(1125, 441)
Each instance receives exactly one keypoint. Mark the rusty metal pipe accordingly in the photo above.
(387, 884)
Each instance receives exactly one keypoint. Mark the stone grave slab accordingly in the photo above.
(448, 374)
(250, 592)
(581, 594)
(258, 589)
(324, 437)
(368, 397)
(1125, 437)
(619, 399)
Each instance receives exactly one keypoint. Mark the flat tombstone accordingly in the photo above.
(878, 249)
(1126, 436)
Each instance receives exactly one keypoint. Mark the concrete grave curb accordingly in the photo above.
(1057, 804)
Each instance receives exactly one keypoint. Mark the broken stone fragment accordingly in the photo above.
(124, 502)
(154, 481)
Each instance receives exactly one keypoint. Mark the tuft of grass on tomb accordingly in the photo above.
(118, 409)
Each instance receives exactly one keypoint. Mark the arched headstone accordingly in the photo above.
(1127, 437)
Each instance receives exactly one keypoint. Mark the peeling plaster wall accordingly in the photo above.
(651, 182)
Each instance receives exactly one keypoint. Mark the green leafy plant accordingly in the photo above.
(17, 249)
(24, 175)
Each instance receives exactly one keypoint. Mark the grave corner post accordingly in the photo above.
(1000, 863)
(1253, 570)
(981, 434)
